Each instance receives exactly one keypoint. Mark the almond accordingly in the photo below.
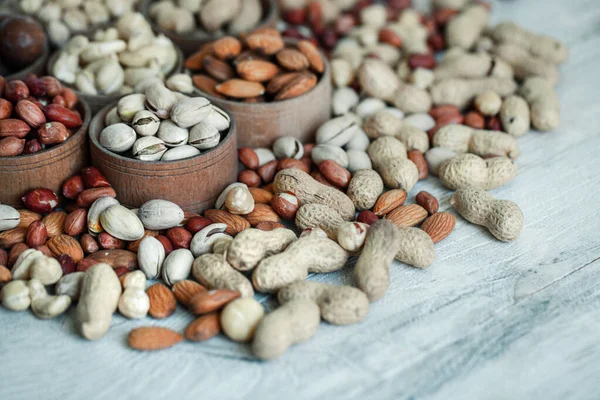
(27, 217)
(389, 201)
(261, 196)
(417, 158)
(298, 86)
(226, 47)
(265, 43)
(55, 223)
(211, 300)
(76, 222)
(292, 60)
(407, 216)
(219, 70)
(240, 88)
(36, 234)
(311, 52)
(64, 244)
(207, 85)
(257, 70)
(262, 213)
(5, 275)
(235, 223)
(116, 258)
(439, 226)
(194, 62)
(203, 328)
(279, 82)
(428, 202)
(153, 338)
(11, 237)
(335, 173)
(186, 289)
(162, 301)
(269, 226)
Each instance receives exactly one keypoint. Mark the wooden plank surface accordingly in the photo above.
(488, 320)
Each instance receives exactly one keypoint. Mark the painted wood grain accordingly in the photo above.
(488, 320)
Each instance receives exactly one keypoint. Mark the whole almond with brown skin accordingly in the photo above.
(89, 244)
(179, 237)
(64, 244)
(235, 223)
(89, 196)
(262, 213)
(194, 61)
(257, 70)
(407, 216)
(279, 82)
(109, 242)
(162, 301)
(52, 133)
(298, 86)
(269, 187)
(73, 187)
(267, 171)
(153, 338)
(69, 118)
(261, 196)
(211, 300)
(3, 257)
(335, 173)
(428, 202)
(30, 113)
(417, 158)
(249, 178)
(265, 43)
(36, 234)
(15, 252)
(389, 201)
(5, 275)
(219, 70)
(6, 108)
(292, 60)
(240, 88)
(226, 47)
(312, 54)
(248, 158)
(55, 223)
(269, 225)
(185, 290)
(11, 237)
(116, 258)
(439, 226)
(134, 246)
(207, 85)
(203, 328)
(13, 127)
(11, 146)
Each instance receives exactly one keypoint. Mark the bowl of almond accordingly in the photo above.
(272, 86)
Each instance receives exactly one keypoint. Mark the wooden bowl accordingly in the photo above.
(193, 183)
(97, 102)
(260, 124)
(192, 41)
(48, 168)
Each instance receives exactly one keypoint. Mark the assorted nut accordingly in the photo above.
(260, 67)
(159, 125)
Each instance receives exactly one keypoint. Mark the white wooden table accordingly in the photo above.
(488, 320)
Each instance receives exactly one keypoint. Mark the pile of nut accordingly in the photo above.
(117, 60)
(35, 114)
(162, 125)
(185, 16)
(256, 68)
(64, 19)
